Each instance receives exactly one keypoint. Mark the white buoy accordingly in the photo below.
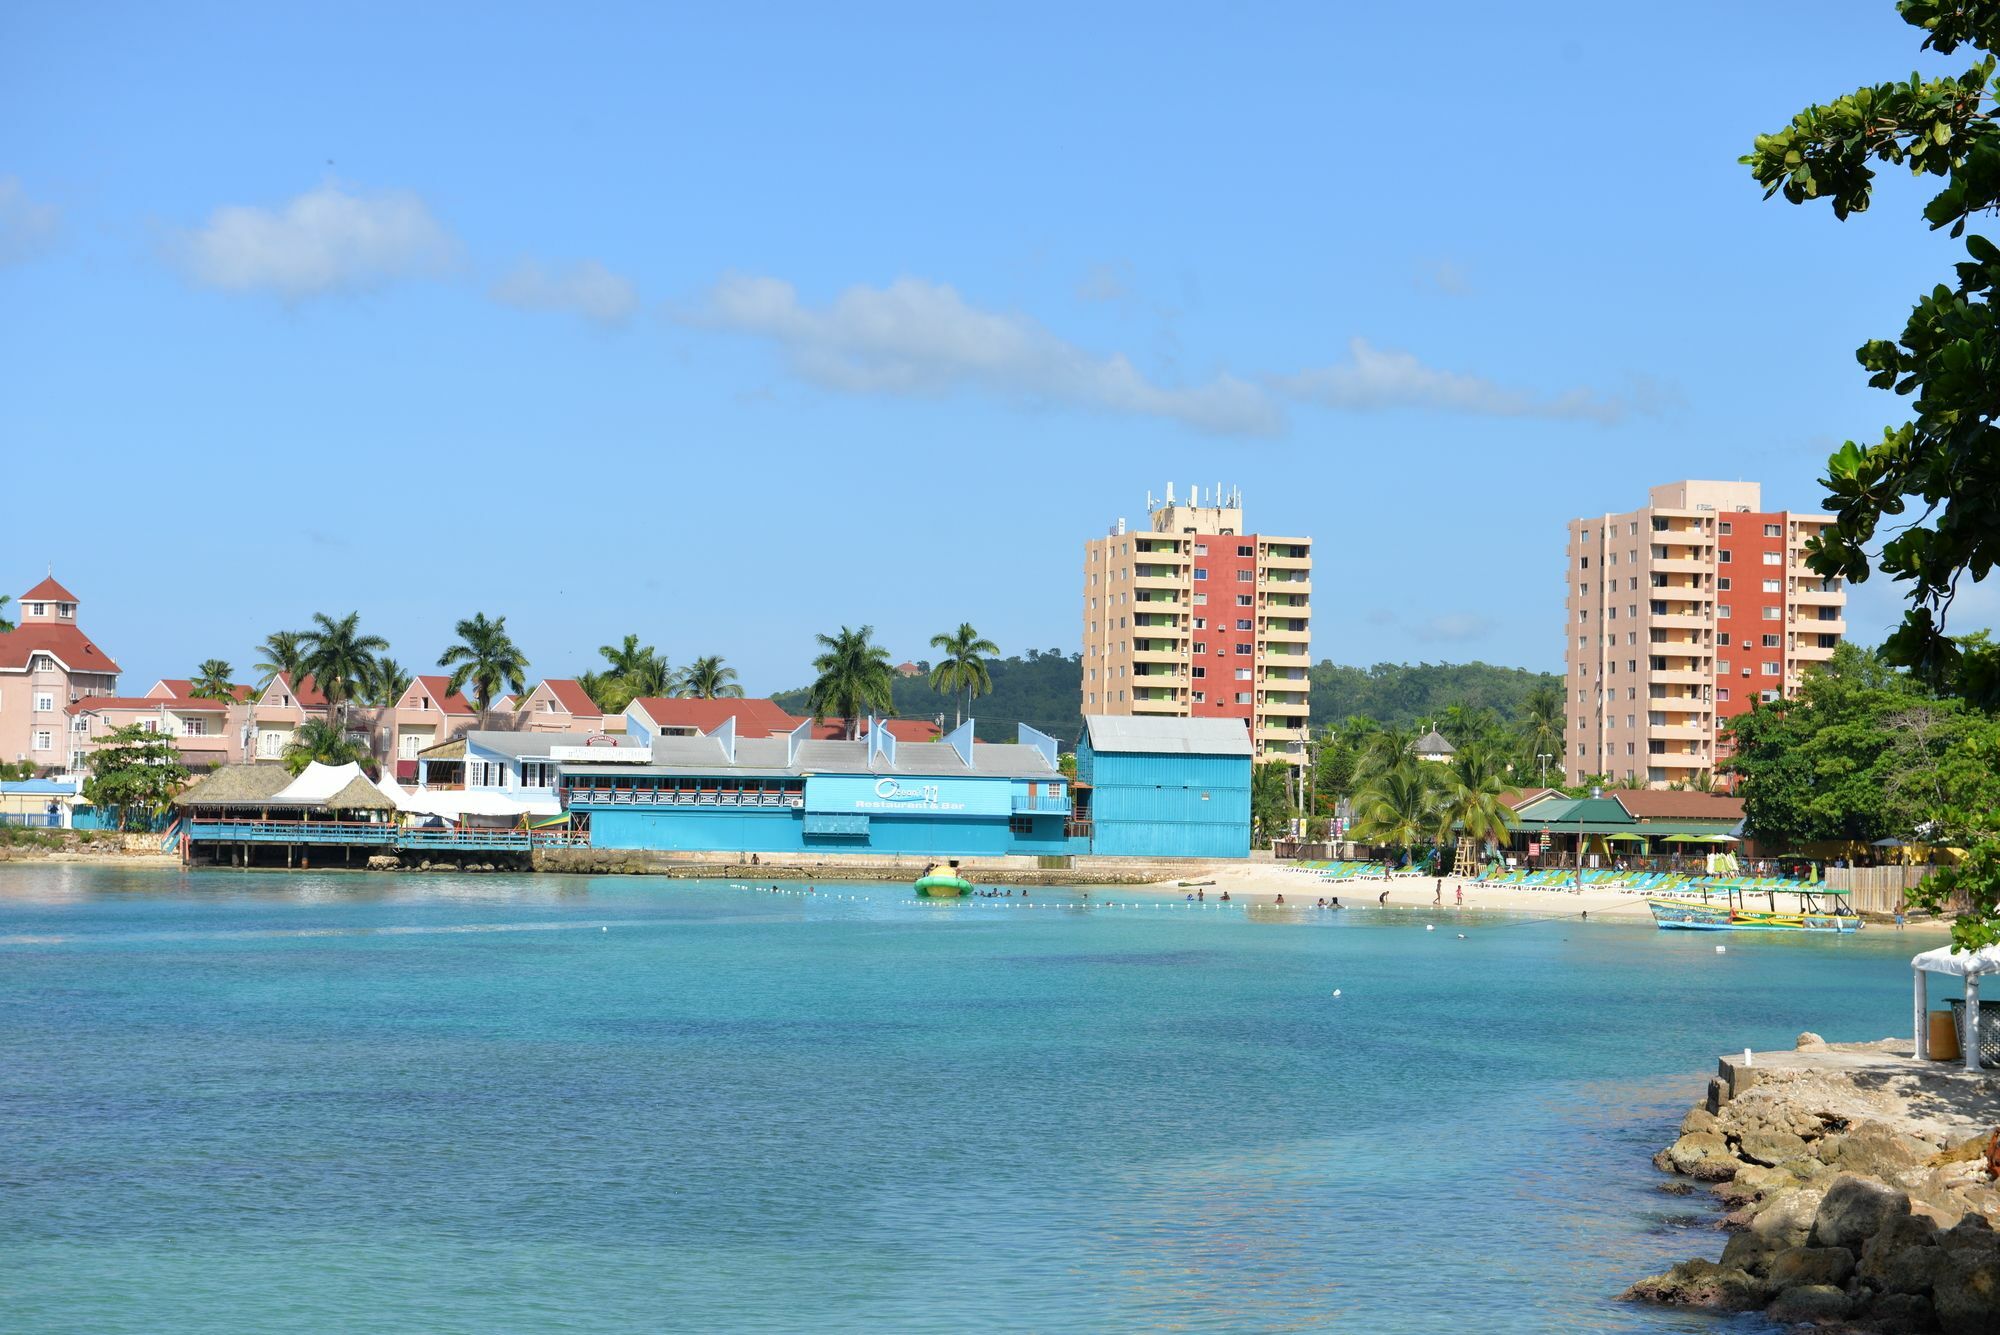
(1336, 991)
(604, 929)
(1461, 936)
(1430, 927)
(1722, 950)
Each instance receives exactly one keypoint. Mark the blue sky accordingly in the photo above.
(726, 330)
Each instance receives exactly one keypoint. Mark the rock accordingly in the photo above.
(1853, 1209)
(1874, 1150)
(1964, 1151)
(1772, 1148)
(1810, 1042)
(1718, 1093)
(1704, 1155)
(1898, 1314)
(1803, 1266)
(1675, 1188)
(1810, 1302)
(1902, 1256)
(1701, 1119)
(1786, 1219)
(1756, 1180)
(1701, 1284)
(1967, 1298)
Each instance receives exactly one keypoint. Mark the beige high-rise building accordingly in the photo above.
(1680, 615)
(1191, 617)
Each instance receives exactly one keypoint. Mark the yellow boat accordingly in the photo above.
(942, 881)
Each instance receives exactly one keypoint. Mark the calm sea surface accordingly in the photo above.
(236, 1102)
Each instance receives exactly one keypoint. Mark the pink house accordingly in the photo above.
(428, 713)
(279, 710)
(47, 664)
(560, 704)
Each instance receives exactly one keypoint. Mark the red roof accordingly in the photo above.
(306, 694)
(754, 718)
(1679, 804)
(70, 646)
(902, 729)
(448, 700)
(48, 591)
(573, 697)
(95, 704)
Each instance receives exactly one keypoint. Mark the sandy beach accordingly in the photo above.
(1266, 881)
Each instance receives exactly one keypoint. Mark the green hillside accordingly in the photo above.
(1043, 690)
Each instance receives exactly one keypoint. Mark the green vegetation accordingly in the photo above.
(5, 624)
(339, 659)
(708, 679)
(134, 771)
(1409, 803)
(1945, 462)
(317, 741)
(386, 683)
(212, 681)
(486, 657)
(854, 679)
(1043, 690)
(282, 652)
(1402, 695)
(963, 667)
(1885, 752)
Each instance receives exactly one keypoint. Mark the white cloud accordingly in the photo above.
(325, 240)
(26, 225)
(586, 288)
(1453, 627)
(916, 337)
(1375, 379)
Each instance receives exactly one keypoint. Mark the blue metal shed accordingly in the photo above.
(1166, 787)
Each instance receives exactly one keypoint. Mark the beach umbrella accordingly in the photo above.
(1687, 839)
(1625, 838)
(1718, 838)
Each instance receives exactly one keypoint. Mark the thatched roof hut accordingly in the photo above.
(236, 786)
(360, 795)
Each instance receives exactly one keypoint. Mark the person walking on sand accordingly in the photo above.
(1383, 899)
(1899, 920)
(1437, 895)
(1461, 896)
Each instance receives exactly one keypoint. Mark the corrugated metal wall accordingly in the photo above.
(1173, 806)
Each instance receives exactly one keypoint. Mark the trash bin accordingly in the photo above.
(1944, 1037)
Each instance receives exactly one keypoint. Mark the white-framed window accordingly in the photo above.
(1200, 697)
(65, 611)
(1243, 697)
(1772, 613)
(196, 727)
(538, 774)
(44, 703)
(1245, 600)
(270, 744)
(76, 762)
(1774, 558)
(1773, 586)
(1770, 641)
(1242, 674)
(44, 740)
(81, 723)
(1773, 531)
(1201, 600)
(1768, 669)
(37, 609)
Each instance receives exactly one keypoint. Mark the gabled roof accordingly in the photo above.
(1517, 798)
(237, 785)
(754, 717)
(572, 697)
(65, 643)
(306, 694)
(48, 591)
(181, 688)
(1679, 804)
(834, 729)
(1147, 735)
(448, 700)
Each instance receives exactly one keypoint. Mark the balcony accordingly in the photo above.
(1678, 732)
(1171, 708)
(1158, 581)
(1159, 655)
(1051, 804)
(1682, 621)
(1273, 561)
(1679, 676)
(1681, 760)
(1274, 584)
(1812, 595)
(1278, 704)
(1286, 636)
(1817, 625)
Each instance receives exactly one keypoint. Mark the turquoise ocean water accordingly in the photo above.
(237, 1102)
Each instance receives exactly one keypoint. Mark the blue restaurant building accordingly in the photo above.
(1166, 787)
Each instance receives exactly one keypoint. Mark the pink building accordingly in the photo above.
(427, 714)
(560, 704)
(47, 664)
(206, 732)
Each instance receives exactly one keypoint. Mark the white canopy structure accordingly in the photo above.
(1968, 965)
(456, 804)
(315, 784)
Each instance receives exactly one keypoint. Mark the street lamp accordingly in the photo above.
(1595, 793)
(1544, 757)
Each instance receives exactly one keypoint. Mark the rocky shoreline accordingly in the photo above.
(1859, 1187)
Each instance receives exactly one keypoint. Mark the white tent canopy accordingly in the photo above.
(1968, 965)
(315, 784)
(456, 804)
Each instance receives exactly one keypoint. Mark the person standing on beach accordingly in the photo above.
(1437, 895)
(1383, 899)
(1461, 896)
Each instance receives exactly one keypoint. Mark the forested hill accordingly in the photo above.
(1044, 690)
(1401, 695)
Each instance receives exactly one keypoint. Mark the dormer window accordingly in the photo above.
(67, 611)
(38, 609)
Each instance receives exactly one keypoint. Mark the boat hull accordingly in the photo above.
(1683, 915)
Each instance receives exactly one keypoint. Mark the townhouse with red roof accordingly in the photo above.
(47, 664)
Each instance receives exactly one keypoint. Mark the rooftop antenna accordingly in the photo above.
(1170, 493)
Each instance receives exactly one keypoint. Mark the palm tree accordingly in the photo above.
(963, 665)
(1385, 749)
(387, 684)
(322, 741)
(1472, 801)
(854, 678)
(340, 660)
(1397, 806)
(5, 624)
(282, 653)
(625, 658)
(709, 679)
(487, 657)
(604, 690)
(1543, 718)
(211, 681)
(651, 676)
(635, 670)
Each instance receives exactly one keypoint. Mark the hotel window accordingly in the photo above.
(1770, 641)
(1772, 613)
(1200, 573)
(1200, 648)
(1773, 531)
(38, 609)
(1242, 674)
(1723, 639)
(1201, 549)
(44, 740)
(1583, 590)
(1201, 600)
(1583, 615)
(1583, 563)
(79, 724)
(1242, 624)
(1768, 696)
(1244, 576)
(44, 703)
(1200, 671)
(1723, 583)
(1722, 611)
(1611, 559)
(195, 727)
(1610, 614)
(1774, 558)
(1201, 623)
(1243, 697)
(1243, 650)
(1200, 697)
(1768, 669)
(1723, 557)
(1773, 586)
(1724, 529)
(1245, 600)
(1722, 692)
(1722, 665)
(1246, 551)
(65, 610)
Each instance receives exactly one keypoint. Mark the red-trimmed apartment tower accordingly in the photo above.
(1680, 615)
(1195, 618)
